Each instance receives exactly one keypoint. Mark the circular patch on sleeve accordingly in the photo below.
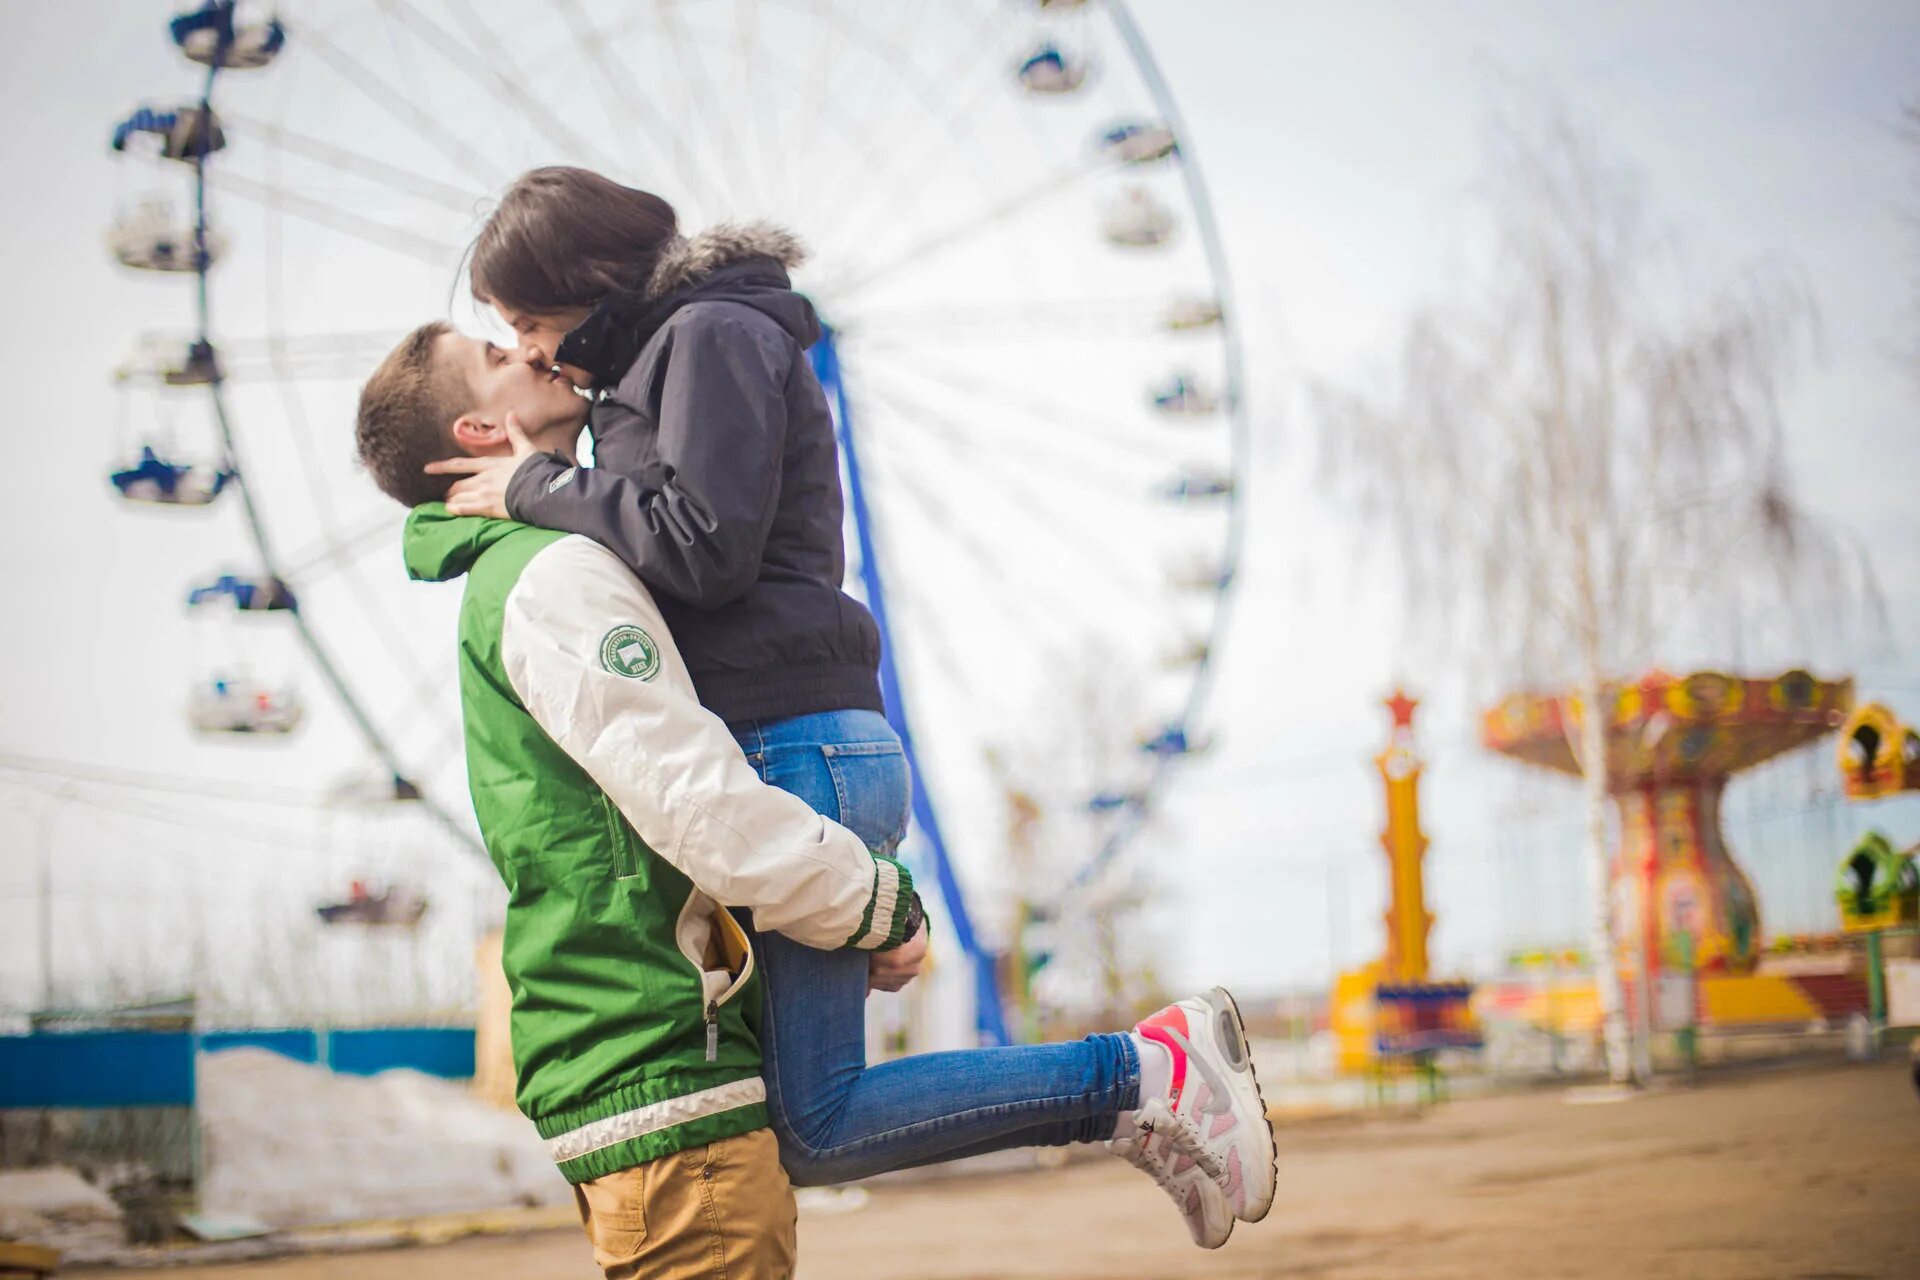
(628, 651)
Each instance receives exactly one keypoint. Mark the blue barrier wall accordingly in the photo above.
(156, 1068)
(302, 1044)
(97, 1069)
(439, 1051)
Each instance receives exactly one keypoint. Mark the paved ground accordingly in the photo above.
(1808, 1174)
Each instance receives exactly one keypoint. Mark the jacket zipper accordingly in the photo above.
(710, 1014)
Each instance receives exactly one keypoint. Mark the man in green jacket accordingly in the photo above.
(620, 814)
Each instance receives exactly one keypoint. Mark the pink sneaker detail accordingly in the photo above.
(1221, 1123)
(1234, 1186)
(1184, 1163)
(1155, 1029)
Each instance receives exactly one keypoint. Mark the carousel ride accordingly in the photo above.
(1686, 917)
(1031, 351)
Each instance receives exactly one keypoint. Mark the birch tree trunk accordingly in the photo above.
(1601, 933)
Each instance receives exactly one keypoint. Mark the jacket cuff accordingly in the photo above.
(533, 480)
(883, 925)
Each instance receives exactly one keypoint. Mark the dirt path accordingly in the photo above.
(1799, 1175)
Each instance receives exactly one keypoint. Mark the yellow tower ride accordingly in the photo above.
(1391, 1012)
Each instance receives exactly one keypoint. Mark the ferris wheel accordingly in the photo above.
(1031, 353)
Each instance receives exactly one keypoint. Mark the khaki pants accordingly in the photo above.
(723, 1211)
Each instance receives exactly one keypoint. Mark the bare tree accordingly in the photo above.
(1087, 743)
(1585, 458)
(1910, 132)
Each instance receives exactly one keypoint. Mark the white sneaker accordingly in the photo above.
(1153, 1149)
(1213, 1100)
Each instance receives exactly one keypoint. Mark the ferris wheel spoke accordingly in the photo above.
(954, 116)
(813, 89)
(1009, 318)
(966, 57)
(427, 249)
(404, 181)
(959, 127)
(338, 552)
(981, 220)
(401, 108)
(1003, 411)
(1097, 432)
(770, 160)
(475, 68)
(449, 741)
(705, 105)
(971, 719)
(994, 571)
(926, 623)
(294, 409)
(892, 50)
(626, 104)
(962, 436)
(428, 693)
(303, 357)
(1101, 436)
(1032, 507)
(385, 628)
(488, 45)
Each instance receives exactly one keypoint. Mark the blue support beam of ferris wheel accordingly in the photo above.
(989, 1018)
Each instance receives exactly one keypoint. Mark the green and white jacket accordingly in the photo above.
(623, 818)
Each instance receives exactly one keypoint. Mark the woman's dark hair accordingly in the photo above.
(564, 237)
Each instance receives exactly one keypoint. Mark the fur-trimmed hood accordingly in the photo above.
(745, 263)
(686, 260)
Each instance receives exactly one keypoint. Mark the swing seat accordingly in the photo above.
(1048, 70)
(175, 361)
(1114, 801)
(199, 368)
(1172, 741)
(248, 594)
(186, 133)
(1194, 313)
(1184, 398)
(239, 705)
(1201, 575)
(148, 239)
(210, 37)
(1197, 485)
(397, 906)
(154, 479)
(1139, 142)
(1138, 221)
(1190, 653)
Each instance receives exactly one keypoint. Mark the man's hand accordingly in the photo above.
(484, 491)
(893, 970)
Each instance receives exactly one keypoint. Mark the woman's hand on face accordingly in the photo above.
(483, 491)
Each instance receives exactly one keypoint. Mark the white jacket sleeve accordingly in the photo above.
(589, 656)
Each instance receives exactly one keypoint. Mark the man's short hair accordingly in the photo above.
(407, 412)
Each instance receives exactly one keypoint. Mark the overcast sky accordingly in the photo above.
(1345, 147)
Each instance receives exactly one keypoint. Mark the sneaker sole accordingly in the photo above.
(1273, 1147)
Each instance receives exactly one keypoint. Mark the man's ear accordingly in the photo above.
(476, 435)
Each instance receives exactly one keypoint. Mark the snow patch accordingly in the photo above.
(291, 1144)
(58, 1208)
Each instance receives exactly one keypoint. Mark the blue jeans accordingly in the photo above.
(835, 1117)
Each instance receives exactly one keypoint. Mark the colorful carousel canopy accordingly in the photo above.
(1669, 728)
